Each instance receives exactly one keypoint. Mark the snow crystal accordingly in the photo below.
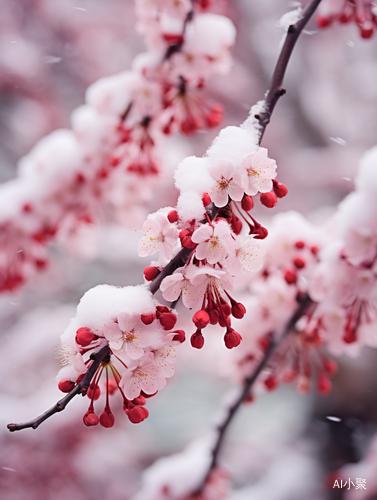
(338, 140)
(333, 419)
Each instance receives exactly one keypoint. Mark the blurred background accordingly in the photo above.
(284, 445)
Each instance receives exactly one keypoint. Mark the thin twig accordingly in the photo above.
(249, 381)
(81, 388)
(276, 90)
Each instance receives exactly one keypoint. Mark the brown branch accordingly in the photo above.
(81, 388)
(276, 90)
(249, 381)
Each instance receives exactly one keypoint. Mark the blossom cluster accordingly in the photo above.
(362, 12)
(109, 162)
(333, 270)
(212, 219)
(142, 349)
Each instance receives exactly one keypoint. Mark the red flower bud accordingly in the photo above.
(197, 340)
(173, 216)
(299, 263)
(147, 319)
(136, 414)
(247, 203)
(330, 366)
(238, 310)
(323, 21)
(146, 412)
(236, 225)
(179, 336)
(112, 386)
(300, 244)
(214, 117)
(324, 385)
(162, 309)
(224, 322)
(213, 317)
(139, 401)
(232, 339)
(107, 419)
(290, 277)
(206, 199)
(186, 241)
(66, 385)
(226, 308)
(269, 200)
(264, 342)
(94, 392)
(261, 233)
(168, 320)
(200, 319)
(151, 272)
(84, 336)
(90, 419)
(271, 383)
(279, 189)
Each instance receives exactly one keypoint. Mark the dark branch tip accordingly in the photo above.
(11, 427)
(292, 29)
(283, 92)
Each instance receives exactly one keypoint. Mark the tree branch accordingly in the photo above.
(249, 381)
(276, 90)
(81, 388)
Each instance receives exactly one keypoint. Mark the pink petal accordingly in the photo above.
(171, 286)
(202, 234)
(112, 332)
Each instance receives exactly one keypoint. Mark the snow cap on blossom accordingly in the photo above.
(233, 144)
(54, 158)
(141, 348)
(112, 94)
(192, 179)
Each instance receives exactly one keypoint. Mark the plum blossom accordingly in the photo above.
(259, 170)
(214, 242)
(208, 280)
(175, 285)
(143, 375)
(229, 182)
(248, 256)
(165, 357)
(129, 335)
(160, 235)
